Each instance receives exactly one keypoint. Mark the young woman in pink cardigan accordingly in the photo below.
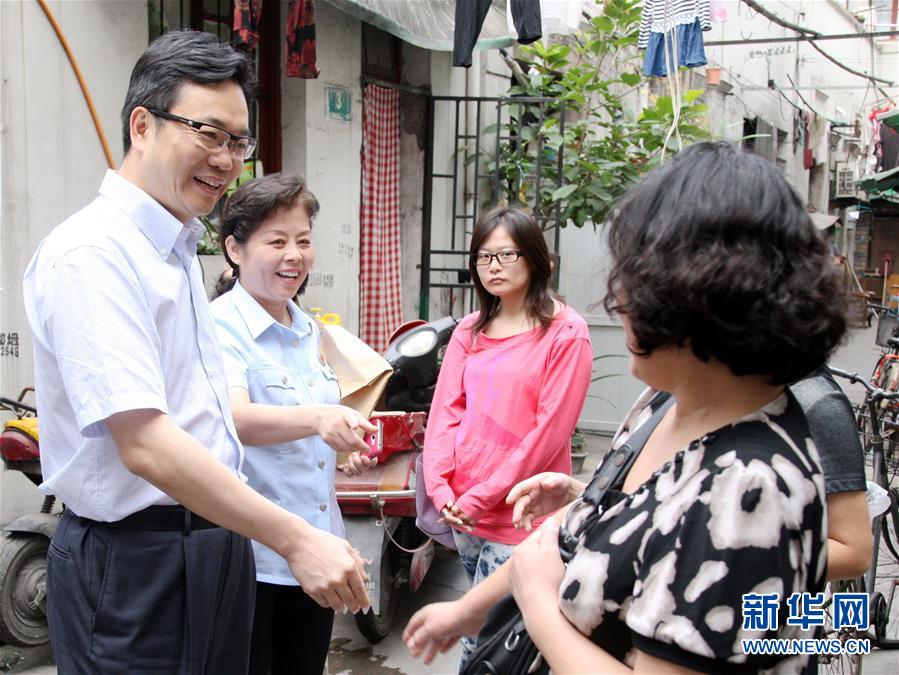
(511, 388)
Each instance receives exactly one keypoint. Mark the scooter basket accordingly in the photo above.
(886, 327)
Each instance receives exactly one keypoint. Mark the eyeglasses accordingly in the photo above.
(212, 137)
(503, 258)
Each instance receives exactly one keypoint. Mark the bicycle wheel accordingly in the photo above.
(889, 525)
(840, 664)
(886, 376)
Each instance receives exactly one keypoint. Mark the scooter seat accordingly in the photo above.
(27, 425)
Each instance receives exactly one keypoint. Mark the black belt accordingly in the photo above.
(173, 518)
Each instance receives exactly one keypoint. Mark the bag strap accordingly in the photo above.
(616, 465)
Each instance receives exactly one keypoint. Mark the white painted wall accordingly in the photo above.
(328, 152)
(51, 162)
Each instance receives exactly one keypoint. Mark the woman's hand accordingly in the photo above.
(536, 569)
(338, 425)
(357, 463)
(454, 516)
(436, 628)
(540, 495)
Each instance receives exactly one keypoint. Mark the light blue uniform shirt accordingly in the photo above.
(120, 322)
(278, 365)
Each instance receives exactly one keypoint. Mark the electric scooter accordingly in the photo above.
(24, 542)
(378, 506)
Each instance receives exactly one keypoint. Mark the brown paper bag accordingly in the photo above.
(361, 372)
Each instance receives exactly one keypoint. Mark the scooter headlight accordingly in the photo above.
(417, 343)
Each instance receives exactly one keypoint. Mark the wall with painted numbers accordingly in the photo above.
(51, 161)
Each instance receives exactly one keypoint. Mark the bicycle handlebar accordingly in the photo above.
(16, 406)
(881, 394)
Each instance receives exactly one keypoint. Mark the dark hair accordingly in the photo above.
(715, 250)
(251, 204)
(178, 57)
(528, 237)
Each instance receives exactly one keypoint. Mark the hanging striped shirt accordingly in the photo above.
(660, 16)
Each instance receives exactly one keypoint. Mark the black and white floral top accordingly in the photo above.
(663, 570)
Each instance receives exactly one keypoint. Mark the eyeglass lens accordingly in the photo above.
(213, 139)
(503, 257)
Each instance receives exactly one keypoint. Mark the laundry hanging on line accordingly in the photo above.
(301, 40)
(247, 14)
(470, 15)
(557, 17)
(680, 24)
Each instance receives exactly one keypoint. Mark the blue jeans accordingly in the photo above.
(480, 558)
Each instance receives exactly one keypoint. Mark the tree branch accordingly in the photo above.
(847, 68)
(776, 19)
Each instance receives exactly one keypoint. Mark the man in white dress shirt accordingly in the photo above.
(136, 431)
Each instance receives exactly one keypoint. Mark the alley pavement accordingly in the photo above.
(351, 654)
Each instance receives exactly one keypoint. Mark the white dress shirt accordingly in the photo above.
(278, 365)
(120, 321)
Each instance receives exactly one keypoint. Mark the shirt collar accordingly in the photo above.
(258, 320)
(163, 230)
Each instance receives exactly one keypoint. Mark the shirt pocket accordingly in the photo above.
(274, 386)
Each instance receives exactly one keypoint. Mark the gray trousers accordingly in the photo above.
(138, 601)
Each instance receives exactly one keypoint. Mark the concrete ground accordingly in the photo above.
(351, 655)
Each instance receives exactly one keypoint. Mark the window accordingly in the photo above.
(213, 16)
(749, 132)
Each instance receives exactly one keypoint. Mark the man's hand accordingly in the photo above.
(330, 571)
(541, 495)
(338, 426)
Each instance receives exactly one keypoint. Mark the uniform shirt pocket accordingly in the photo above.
(274, 386)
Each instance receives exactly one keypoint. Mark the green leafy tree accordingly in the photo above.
(585, 143)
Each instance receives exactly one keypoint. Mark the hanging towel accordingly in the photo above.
(379, 280)
(247, 14)
(301, 40)
(470, 15)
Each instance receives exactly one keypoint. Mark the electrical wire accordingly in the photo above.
(847, 68)
(87, 97)
(809, 35)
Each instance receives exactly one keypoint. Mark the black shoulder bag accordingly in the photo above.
(504, 646)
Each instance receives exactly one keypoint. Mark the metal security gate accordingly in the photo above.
(482, 151)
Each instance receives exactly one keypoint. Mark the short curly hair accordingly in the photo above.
(714, 250)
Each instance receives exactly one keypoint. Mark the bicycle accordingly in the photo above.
(885, 526)
(885, 374)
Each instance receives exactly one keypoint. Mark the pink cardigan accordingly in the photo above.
(504, 410)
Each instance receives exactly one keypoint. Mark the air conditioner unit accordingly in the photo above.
(845, 184)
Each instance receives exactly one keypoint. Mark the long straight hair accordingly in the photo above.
(528, 237)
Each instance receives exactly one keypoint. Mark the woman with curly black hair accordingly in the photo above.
(712, 490)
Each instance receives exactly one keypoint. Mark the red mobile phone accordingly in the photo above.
(375, 440)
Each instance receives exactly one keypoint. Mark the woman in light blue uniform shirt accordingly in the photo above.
(285, 403)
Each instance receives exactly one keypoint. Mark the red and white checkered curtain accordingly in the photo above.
(381, 302)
